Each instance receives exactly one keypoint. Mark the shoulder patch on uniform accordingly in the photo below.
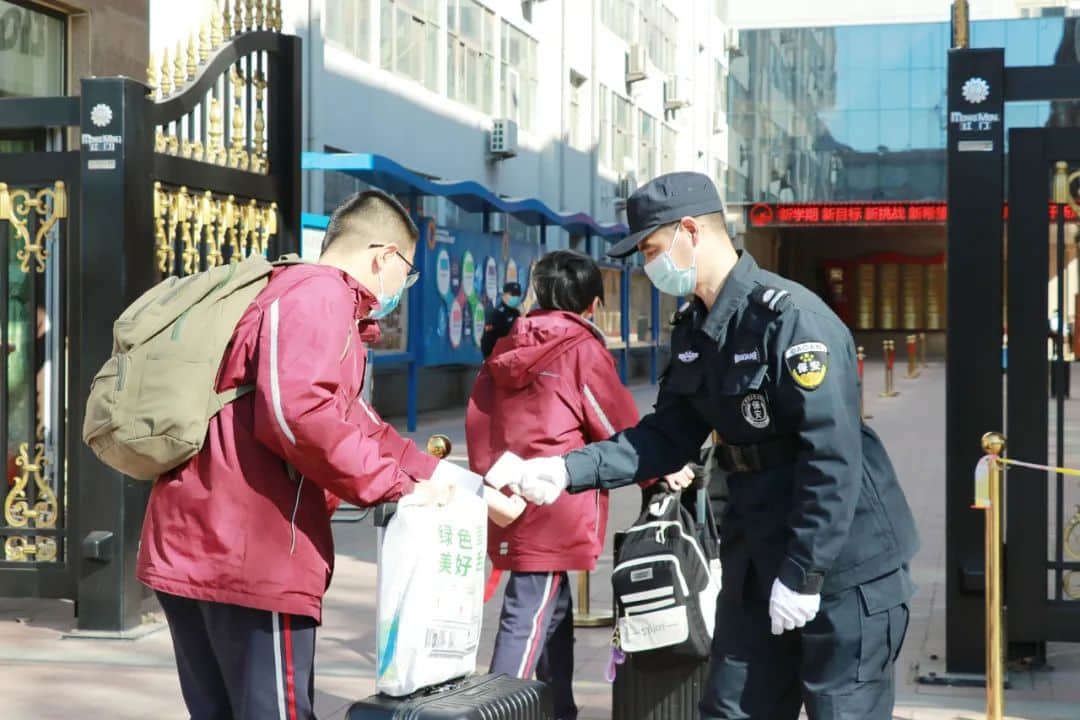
(775, 299)
(808, 363)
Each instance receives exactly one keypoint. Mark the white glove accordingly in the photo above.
(679, 480)
(789, 609)
(509, 468)
(542, 480)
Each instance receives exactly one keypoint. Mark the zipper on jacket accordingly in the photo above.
(296, 506)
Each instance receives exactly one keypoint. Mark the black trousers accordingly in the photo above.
(237, 663)
(840, 665)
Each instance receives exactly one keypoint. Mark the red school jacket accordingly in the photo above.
(549, 387)
(233, 525)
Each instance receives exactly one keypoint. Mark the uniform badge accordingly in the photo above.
(755, 411)
(808, 363)
(688, 357)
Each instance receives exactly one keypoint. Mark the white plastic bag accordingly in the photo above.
(431, 593)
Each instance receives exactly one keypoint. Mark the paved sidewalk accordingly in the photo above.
(45, 676)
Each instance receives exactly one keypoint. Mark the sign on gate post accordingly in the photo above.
(116, 257)
(976, 107)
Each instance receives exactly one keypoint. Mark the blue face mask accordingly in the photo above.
(387, 303)
(668, 278)
(513, 302)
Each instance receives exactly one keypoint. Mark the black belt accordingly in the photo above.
(757, 457)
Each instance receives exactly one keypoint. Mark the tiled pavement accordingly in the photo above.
(43, 675)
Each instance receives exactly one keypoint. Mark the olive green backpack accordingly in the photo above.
(151, 404)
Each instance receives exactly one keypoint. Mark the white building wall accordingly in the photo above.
(799, 13)
(350, 103)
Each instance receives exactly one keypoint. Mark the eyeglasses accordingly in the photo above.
(413, 275)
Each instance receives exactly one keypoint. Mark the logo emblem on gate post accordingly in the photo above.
(101, 115)
(975, 90)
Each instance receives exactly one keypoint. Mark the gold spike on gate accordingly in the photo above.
(260, 14)
(238, 17)
(258, 153)
(180, 67)
(193, 55)
(249, 16)
(238, 156)
(166, 255)
(152, 77)
(277, 25)
(204, 41)
(218, 22)
(167, 84)
(215, 151)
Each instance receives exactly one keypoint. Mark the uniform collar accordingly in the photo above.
(732, 295)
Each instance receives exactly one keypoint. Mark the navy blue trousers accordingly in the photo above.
(536, 635)
(237, 663)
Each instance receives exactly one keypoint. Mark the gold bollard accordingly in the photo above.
(912, 357)
(584, 617)
(889, 347)
(993, 444)
(922, 349)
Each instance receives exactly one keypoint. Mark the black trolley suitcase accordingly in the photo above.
(648, 691)
(478, 697)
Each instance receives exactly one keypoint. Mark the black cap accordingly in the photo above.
(512, 288)
(665, 200)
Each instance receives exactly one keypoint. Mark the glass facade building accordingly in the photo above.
(858, 113)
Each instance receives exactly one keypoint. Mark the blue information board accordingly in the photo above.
(461, 279)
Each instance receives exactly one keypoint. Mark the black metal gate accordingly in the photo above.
(1041, 583)
(1042, 535)
(198, 168)
(39, 195)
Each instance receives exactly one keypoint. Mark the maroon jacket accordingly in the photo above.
(233, 524)
(549, 387)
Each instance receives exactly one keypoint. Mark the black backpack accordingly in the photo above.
(666, 581)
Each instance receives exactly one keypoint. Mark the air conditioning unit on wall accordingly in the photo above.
(637, 64)
(504, 139)
(673, 100)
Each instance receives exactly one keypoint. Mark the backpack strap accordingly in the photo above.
(225, 397)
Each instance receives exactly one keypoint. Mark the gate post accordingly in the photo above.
(114, 264)
(976, 104)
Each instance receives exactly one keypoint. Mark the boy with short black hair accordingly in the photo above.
(549, 387)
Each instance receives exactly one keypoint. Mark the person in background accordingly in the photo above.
(549, 387)
(500, 320)
(236, 542)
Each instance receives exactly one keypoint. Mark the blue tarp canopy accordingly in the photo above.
(384, 173)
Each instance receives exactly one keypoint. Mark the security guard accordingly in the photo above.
(500, 319)
(817, 534)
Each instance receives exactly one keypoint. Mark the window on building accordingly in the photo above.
(519, 73)
(668, 142)
(616, 16)
(719, 95)
(348, 24)
(621, 136)
(657, 31)
(409, 39)
(470, 54)
(578, 131)
(646, 147)
(603, 113)
(31, 52)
